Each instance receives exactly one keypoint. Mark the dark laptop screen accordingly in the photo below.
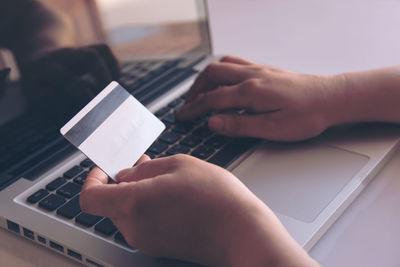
(62, 53)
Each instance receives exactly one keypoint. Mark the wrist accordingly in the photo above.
(335, 105)
(261, 240)
(366, 96)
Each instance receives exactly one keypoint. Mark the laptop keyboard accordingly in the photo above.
(61, 196)
(37, 136)
(147, 80)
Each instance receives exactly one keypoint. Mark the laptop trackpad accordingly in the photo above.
(298, 180)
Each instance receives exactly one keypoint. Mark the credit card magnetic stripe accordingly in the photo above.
(83, 128)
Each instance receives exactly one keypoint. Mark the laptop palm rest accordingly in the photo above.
(299, 180)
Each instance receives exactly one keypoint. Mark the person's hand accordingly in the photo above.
(279, 105)
(184, 208)
(66, 79)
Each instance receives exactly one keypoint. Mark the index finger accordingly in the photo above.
(217, 74)
(97, 196)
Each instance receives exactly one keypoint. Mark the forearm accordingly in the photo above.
(367, 96)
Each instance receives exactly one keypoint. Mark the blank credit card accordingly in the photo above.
(113, 130)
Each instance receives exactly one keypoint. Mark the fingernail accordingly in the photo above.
(216, 124)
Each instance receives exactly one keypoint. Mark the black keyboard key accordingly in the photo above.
(183, 97)
(200, 120)
(56, 183)
(80, 179)
(182, 127)
(155, 66)
(120, 239)
(106, 227)
(203, 152)
(170, 137)
(51, 202)
(69, 190)
(87, 163)
(157, 147)
(151, 155)
(171, 63)
(163, 86)
(178, 149)
(175, 103)
(87, 220)
(232, 151)
(203, 131)
(74, 171)
(145, 79)
(134, 86)
(38, 195)
(162, 111)
(217, 141)
(169, 118)
(71, 209)
(191, 141)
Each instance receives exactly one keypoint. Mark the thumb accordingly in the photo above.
(238, 125)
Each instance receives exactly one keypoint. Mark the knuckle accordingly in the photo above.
(257, 68)
(249, 89)
(233, 125)
(252, 83)
(177, 161)
(246, 86)
(213, 66)
(226, 58)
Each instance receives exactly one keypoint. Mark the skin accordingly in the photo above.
(285, 106)
(208, 216)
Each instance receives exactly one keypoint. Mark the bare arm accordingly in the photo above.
(208, 216)
(369, 96)
(287, 106)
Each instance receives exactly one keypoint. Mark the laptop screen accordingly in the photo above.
(53, 84)
(154, 27)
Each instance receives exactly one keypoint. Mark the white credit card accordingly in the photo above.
(113, 130)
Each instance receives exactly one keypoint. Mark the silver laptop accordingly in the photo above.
(308, 184)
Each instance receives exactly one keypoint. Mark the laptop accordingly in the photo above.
(308, 184)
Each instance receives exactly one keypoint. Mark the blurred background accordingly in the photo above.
(135, 28)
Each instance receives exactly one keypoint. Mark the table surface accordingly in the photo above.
(284, 34)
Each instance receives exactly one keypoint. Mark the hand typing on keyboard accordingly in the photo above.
(280, 105)
(182, 207)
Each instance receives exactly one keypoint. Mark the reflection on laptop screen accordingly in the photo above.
(57, 82)
(141, 27)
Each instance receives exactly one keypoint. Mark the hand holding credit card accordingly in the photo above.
(113, 130)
